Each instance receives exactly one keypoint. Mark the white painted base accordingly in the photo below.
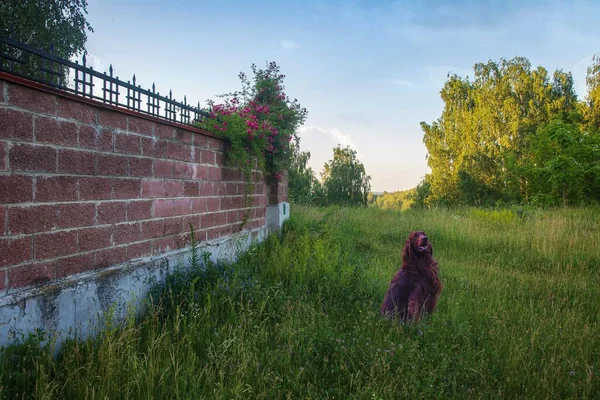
(78, 306)
(277, 215)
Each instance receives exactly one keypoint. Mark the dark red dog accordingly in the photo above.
(416, 287)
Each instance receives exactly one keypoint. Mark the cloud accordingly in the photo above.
(402, 82)
(288, 44)
(337, 137)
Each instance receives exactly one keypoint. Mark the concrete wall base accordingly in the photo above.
(277, 215)
(78, 306)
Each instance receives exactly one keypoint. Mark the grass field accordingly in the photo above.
(297, 317)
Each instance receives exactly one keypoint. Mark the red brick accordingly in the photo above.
(27, 157)
(127, 233)
(194, 220)
(214, 173)
(213, 204)
(16, 125)
(177, 151)
(2, 220)
(173, 226)
(139, 250)
(235, 216)
(220, 188)
(153, 229)
(164, 245)
(173, 188)
(75, 215)
(231, 188)
(57, 244)
(207, 188)
(199, 141)
(208, 220)
(15, 251)
(164, 131)
(75, 110)
(153, 188)
(183, 240)
(154, 148)
(31, 274)
(107, 164)
(184, 136)
(220, 231)
(112, 119)
(139, 210)
(198, 206)
(76, 162)
(53, 131)
(162, 208)
(2, 279)
(112, 213)
(231, 174)
(3, 166)
(31, 99)
(164, 169)
(184, 171)
(181, 206)
(219, 158)
(31, 219)
(16, 189)
(228, 203)
(140, 167)
(126, 188)
(77, 264)
(214, 144)
(110, 257)
(140, 125)
(97, 237)
(55, 188)
(200, 172)
(127, 144)
(190, 189)
(95, 188)
(207, 157)
(95, 138)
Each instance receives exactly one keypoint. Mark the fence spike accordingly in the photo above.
(84, 59)
(110, 70)
(153, 88)
(133, 79)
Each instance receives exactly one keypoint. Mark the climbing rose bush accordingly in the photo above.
(259, 122)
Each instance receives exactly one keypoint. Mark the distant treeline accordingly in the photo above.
(514, 135)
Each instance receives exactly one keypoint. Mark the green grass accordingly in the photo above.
(297, 317)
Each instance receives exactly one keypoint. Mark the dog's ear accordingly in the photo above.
(406, 252)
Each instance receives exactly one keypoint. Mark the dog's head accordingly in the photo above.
(417, 244)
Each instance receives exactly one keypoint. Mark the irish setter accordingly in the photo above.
(416, 287)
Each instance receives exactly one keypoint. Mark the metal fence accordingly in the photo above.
(20, 59)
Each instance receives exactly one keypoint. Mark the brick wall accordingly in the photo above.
(85, 186)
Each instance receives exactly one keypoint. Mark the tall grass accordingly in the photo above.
(297, 317)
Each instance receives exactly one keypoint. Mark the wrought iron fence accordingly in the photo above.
(43, 66)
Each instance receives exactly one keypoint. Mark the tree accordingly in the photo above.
(345, 181)
(56, 24)
(592, 108)
(302, 180)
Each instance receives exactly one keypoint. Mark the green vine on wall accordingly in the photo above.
(258, 122)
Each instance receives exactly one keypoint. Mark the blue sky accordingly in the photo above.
(367, 71)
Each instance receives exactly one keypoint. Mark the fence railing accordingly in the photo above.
(20, 59)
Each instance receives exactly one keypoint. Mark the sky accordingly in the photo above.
(368, 72)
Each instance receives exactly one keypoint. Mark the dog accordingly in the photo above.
(416, 287)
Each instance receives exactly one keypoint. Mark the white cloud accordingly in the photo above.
(402, 82)
(335, 134)
(288, 44)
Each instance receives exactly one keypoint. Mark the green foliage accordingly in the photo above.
(297, 317)
(259, 122)
(345, 181)
(401, 200)
(303, 186)
(491, 144)
(56, 25)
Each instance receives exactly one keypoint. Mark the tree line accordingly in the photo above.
(514, 134)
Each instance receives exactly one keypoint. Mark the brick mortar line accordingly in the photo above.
(116, 225)
(89, 252)
(96, 201)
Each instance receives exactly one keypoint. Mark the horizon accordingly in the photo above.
(367, 72)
